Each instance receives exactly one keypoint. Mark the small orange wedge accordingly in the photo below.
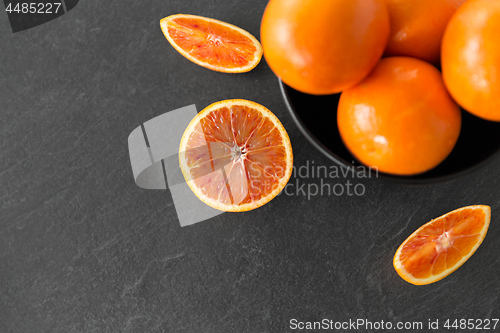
(438, 248)
(235, 155)
(211, 43)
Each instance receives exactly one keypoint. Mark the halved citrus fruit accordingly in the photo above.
(235, 155)
(211, 43)
(438, 248)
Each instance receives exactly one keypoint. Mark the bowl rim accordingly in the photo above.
(408, 180)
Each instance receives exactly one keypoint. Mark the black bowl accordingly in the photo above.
(316, 117)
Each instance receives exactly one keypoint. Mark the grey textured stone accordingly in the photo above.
(83, 249)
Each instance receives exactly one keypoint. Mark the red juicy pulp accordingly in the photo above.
(443, 243)
(212, 43)
(236, 155)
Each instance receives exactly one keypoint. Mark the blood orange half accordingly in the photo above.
(438, 248)
(211, 43)
(236, 155)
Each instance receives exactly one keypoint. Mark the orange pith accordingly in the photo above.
(439, 247)
(211, 43)
(235, 155)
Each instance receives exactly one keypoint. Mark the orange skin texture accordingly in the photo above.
(417, 27)
(324, 46)
(471, 58)
(400, 119)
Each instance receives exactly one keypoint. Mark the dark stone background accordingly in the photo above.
(83, 249)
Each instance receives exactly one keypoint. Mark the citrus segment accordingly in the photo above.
(212, 43)
(235, 155)
(439, 247)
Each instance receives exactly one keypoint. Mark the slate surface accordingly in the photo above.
(83, 249)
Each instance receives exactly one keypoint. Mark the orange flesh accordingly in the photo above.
(246, 146)
(212, 43)
(443, 243)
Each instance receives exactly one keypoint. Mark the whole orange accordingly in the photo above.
(400, 119)
(324, 46)
(417, 27)
(471, 58)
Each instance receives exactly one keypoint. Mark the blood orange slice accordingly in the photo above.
(235, 155)
(438, 248)
(211, 43)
